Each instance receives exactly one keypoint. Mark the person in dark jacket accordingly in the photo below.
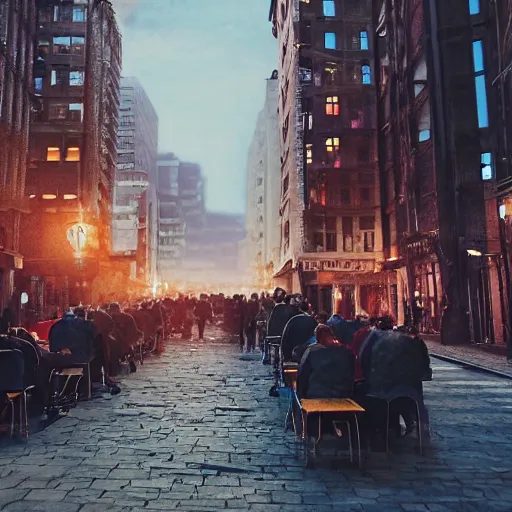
(203, 313)
(252, 309)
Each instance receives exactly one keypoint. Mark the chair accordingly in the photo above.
(276, 325)
(12, 386)
(394, 366)
(63, 398)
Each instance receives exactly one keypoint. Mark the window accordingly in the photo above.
(73, 154)
(259, 182)
(59, 76)
(332, 74)
(474, 7)
(260, 200)
(38, 85)
(420, 76)
(332, 106)
(309, 153)
(64, 45)
(58, 111)
(79, 14)
(365, 195)
(487, 171)
(76, 78)
(480, 86)
(363, 40)
(62, 13)
(424, 123)
(347, 228)
(332, 148)
(330, 41)
(76, 111)
(367, 229)
(329, 8)
(366, 74)
(53, 154)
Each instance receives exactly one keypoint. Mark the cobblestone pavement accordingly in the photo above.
(198, 403)
(472, 355)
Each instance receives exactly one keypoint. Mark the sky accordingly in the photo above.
(203, 64)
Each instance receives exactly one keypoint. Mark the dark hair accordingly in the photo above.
(322, 317)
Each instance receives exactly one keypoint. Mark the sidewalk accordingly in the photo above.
(481, 356)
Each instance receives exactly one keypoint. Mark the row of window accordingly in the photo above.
(325, 195)
(63, 14)
(359, 42)
(330, 153)
(60, 77)
(62, 45)
(68, 154)
(334, 74)
(330, 7)
(66, 197)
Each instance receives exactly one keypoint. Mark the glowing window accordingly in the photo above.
(53, 154)
(366, 74)
(76, 78)
(480, 85)
(487, 172)
(49, 196)
(67, 197)
(332, 144)
(329, 8)
(73, 154)
(330, 41)
(309, 153)
(474, 7)
(363, 40)
(332, 106)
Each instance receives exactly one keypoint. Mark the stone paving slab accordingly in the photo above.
(200, 404)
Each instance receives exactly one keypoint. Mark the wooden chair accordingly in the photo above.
(348, 411)
(13, 388)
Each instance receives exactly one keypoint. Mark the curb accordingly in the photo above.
(473, 366)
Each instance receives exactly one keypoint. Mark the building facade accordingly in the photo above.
(72, 155)
(438, 116)
(262, 226)
(331, 243)
(135, 188)
(17, 28)
(171, 244)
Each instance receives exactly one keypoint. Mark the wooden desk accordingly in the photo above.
(311, 405)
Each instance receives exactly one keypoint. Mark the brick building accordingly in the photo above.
(72, 155)
(17, 27)
(331, 243)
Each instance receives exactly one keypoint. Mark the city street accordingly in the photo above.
(195, 430)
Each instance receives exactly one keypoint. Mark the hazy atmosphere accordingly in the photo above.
(203, 64)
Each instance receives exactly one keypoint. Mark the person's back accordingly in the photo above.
(326, 372)
(279, 317)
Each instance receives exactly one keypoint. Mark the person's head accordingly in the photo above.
(322, 317)
(304, 305)
(80, 312)
(385, 323)
(287, 299)
(324, 335)
(279, 295)
(254, 296)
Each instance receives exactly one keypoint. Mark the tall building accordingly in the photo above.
(72, 155)
(331, 243)
(134, 224)
(17, 27)
(261, 247)
(440, 153)
(171, 244)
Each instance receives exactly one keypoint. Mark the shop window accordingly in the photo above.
(73, 154)
(53, 154)
(363, 40)
(330, 41)
(329, 8)
(487, 172)
(332, 106)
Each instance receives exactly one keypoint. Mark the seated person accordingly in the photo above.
(326, 369)
(299, 351)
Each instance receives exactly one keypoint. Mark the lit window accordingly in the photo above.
(332, 144)
(423, 135)
(76, 78)
(77, 45)
(58, 77)
(79, 14)
(366, 74)
(309, 153)
(332, 106)
(487, 172)
(480, 85)
(329, 8)
(53, 154)
(73, 154)
(474, 7)
(424, 123)
(61, 45)
(68, 197)
(32, 196)
(363, 40)
(49, 196)
(330, 41)
(38, 85)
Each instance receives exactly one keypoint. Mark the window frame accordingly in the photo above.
(328, 41)
(480, 83)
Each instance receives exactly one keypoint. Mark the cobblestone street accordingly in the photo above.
(157, 444)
